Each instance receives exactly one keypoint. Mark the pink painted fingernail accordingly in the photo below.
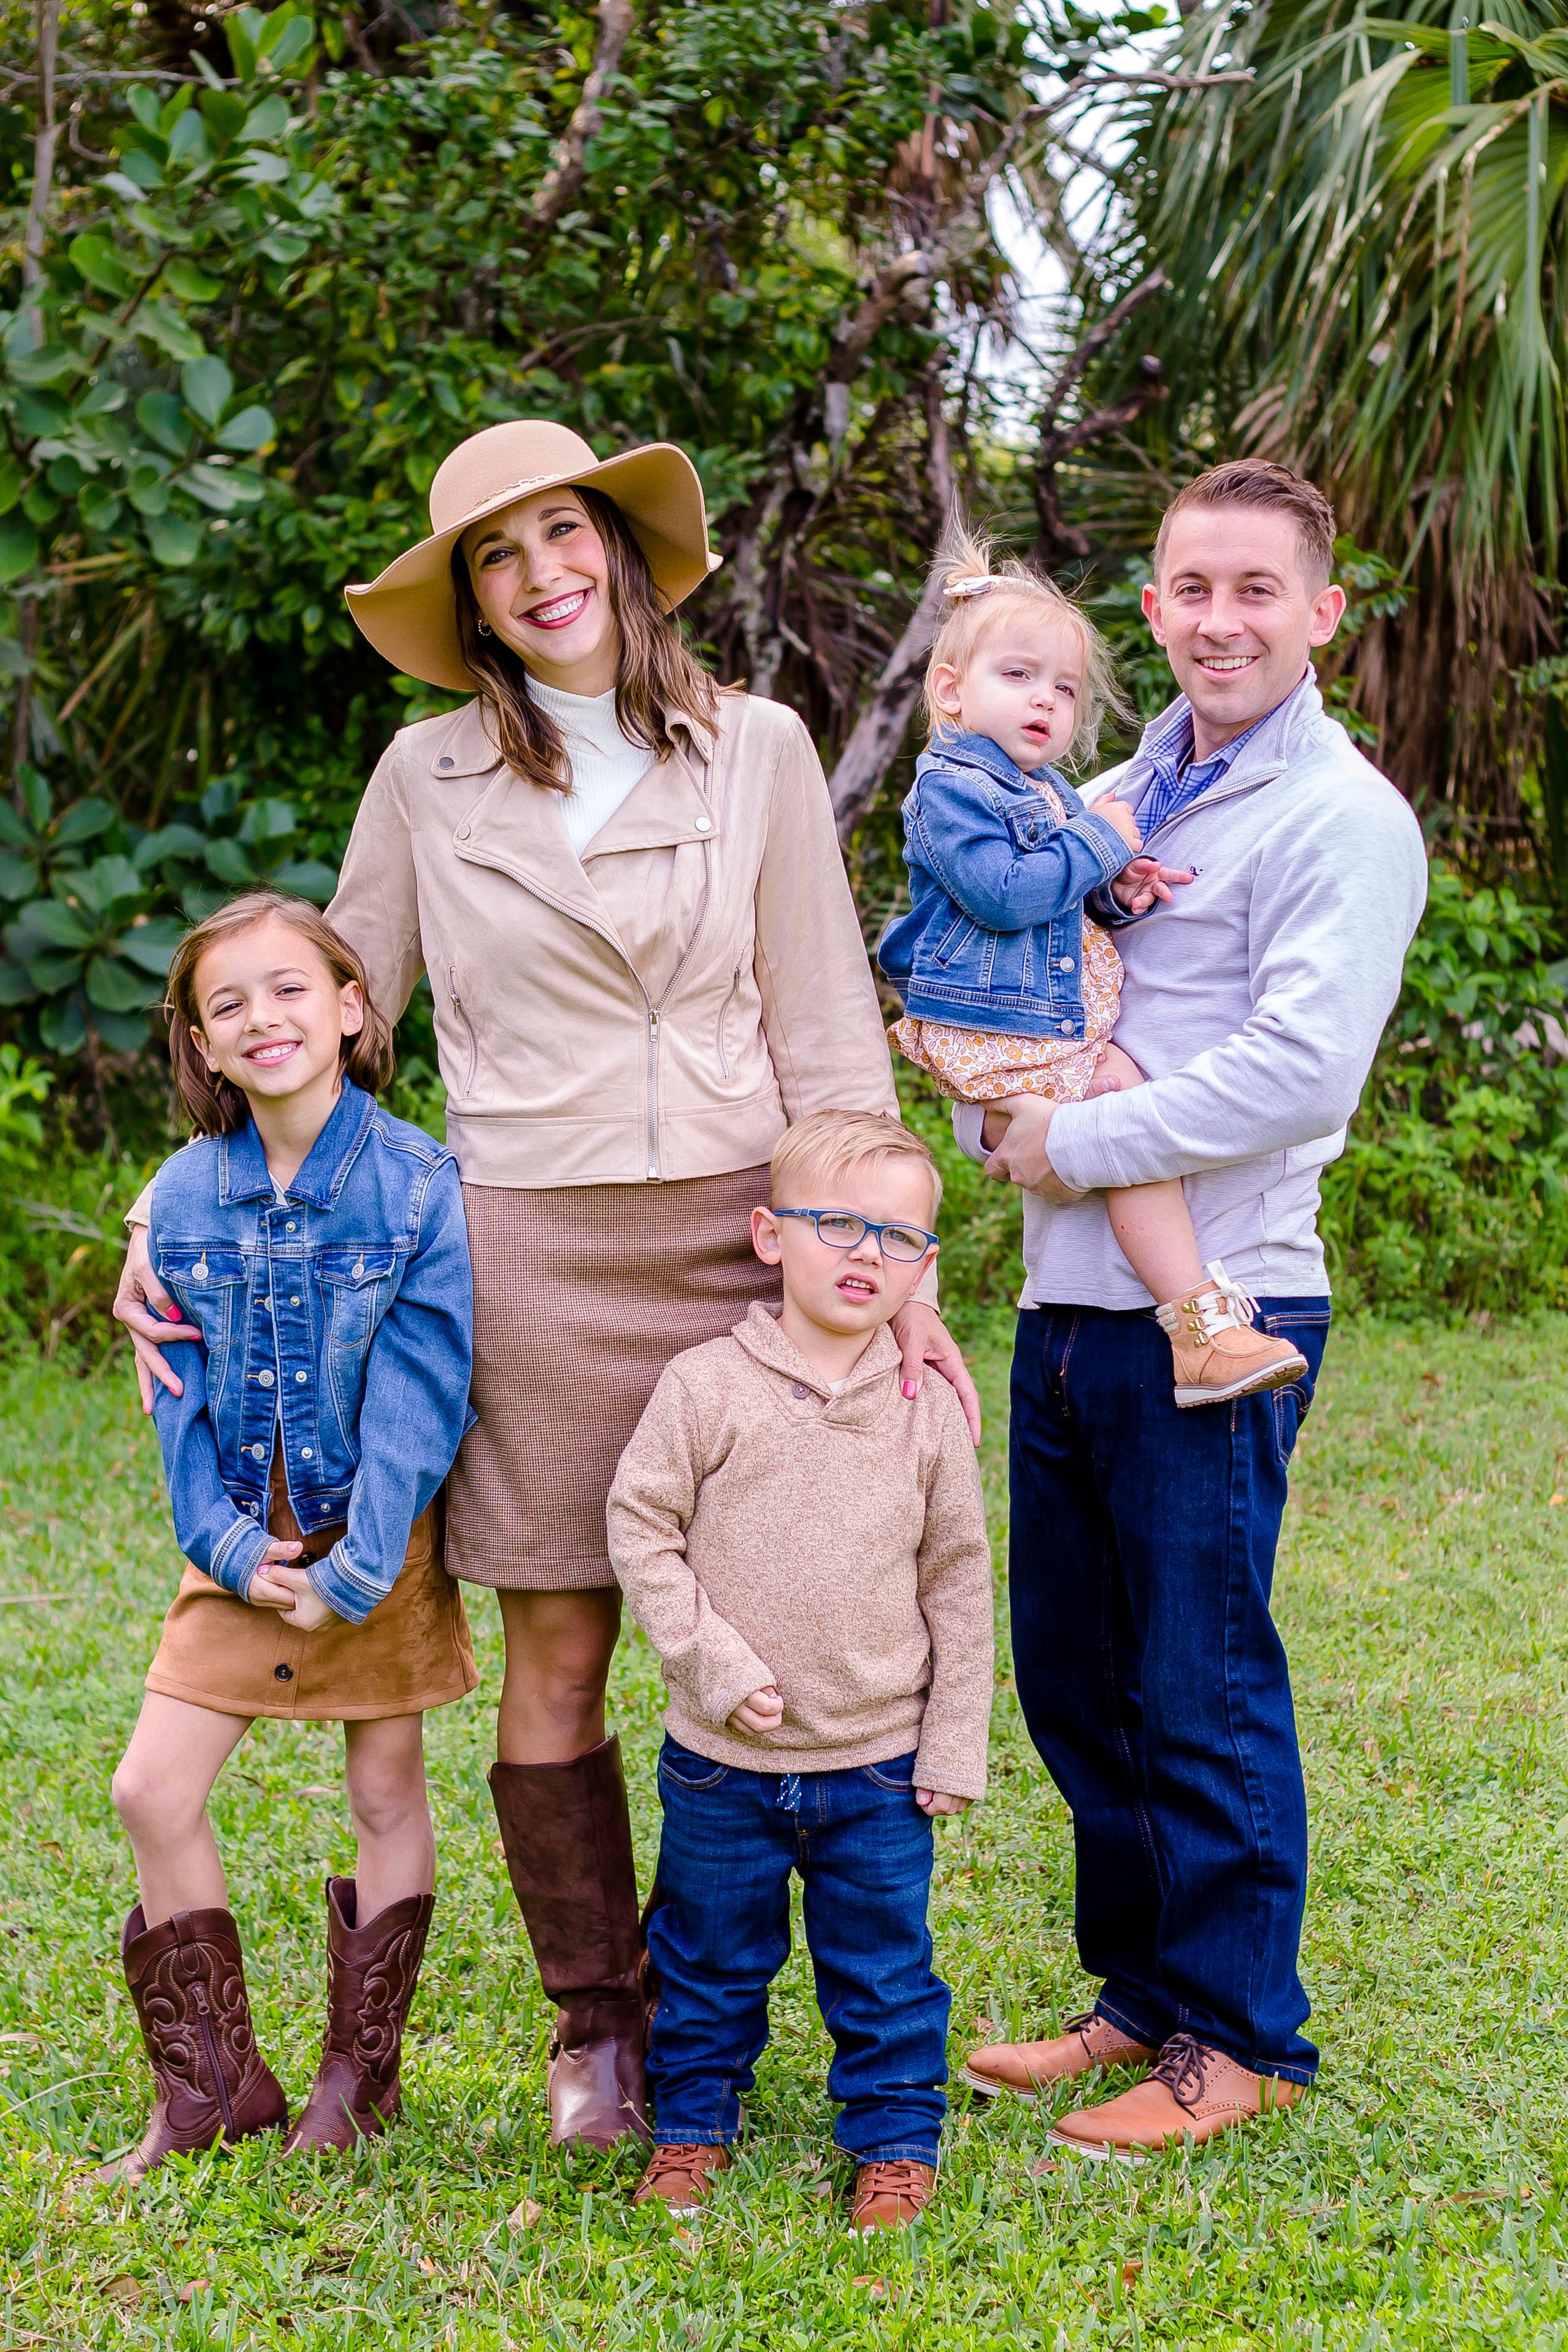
(910, 1389)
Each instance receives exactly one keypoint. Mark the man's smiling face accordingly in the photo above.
(1237, 614)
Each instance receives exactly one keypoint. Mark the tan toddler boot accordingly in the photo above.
(1218, 1353)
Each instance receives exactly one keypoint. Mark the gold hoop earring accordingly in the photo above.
(484, 628)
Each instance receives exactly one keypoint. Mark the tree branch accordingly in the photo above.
(563, 181)
(46, 138)
(1055, 536)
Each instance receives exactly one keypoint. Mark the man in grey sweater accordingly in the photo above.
(1149, 1668)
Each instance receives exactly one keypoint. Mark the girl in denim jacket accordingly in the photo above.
(1009, 986)
(318, 1251)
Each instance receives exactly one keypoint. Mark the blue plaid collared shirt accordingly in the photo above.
(1178, 779)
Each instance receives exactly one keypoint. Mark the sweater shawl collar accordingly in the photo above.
(769, 1345)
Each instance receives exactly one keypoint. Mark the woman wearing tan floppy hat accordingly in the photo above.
(627, 889)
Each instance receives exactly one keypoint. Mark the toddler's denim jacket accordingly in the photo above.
(993, 937)
(342, 1316)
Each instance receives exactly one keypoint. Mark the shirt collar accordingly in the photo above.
(1175, 742)
(244, 1174)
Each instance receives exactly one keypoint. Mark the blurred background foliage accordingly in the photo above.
(262, 270)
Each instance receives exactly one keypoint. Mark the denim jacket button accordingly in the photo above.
(1066, 1027)
(1065, 965)
(302, 1378)
(306, 1455)
(259, 1453)
(264, 1379)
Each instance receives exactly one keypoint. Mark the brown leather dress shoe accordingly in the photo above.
(1191, 2092)
(371, 1975)
(891, 2196)
(187, 1977)
(1026, 2067)
(679, 2174)
(568, 1840)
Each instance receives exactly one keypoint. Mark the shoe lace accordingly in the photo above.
(895, 2176)
(672, 2156)
(1228, 1307)
(1180, 2067)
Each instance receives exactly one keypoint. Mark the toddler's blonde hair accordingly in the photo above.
(830, 1143)
(977, 591)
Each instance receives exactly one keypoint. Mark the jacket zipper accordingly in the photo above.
(468, 1028)
(723, 1016)
(225, 2109)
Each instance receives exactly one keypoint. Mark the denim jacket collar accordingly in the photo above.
(244, 1175)
(959, 748)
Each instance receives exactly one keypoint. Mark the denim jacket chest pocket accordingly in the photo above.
(355, 1284)
(210, 1287)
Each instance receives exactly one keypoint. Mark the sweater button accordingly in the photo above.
(703, 823)
(798, 1388)
(444, 762)
(283, 1673)
(463, 832)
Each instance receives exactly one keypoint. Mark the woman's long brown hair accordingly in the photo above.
(659, 679)
(215, 1104)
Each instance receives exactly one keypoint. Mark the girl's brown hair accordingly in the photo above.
(976, 591)
(215, 1106)
(659, 679)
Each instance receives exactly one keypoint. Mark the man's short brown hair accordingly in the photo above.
(1256, 482)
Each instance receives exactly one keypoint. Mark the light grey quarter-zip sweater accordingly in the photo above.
(1253, 1003)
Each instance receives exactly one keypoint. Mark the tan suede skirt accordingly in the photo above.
(581, 1295)
(411, 1653)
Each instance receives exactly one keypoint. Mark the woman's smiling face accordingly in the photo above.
(542, 578)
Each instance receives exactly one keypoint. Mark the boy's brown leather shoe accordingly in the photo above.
(889, 2196)
(679, 2174)
(1191, 2092)
(1025, 2067)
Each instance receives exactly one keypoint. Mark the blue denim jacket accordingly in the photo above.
(993, 937)
(348, 1308)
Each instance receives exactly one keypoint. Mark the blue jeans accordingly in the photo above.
(1153, 1679)
(719, 1934)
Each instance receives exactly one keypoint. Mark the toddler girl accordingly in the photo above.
(319, 1247)
(1009, 986)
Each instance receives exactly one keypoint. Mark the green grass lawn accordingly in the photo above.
(1415, 2199)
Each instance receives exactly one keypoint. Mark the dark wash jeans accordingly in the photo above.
(718, 1935)
(1152, 1677)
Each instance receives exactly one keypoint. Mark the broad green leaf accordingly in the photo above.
(307, 878)
(291, 43)
(11, 480)
(285, 250)
(267, 819)
(241, 46)
(115, 986)
(34, 790)
(98, 507)
(53, 921)
(151, 944)
(163, 327)
(174, 538)
(262, 169)
(173, 108)
(16, 986)
(268, 121)
(123, 1031)
(129, 191)
(14, 662)
(149, 491)
(66, 476)
(162, 419)
(18, 876)
(228, 862)
(141, 170)
(50, 363)
(172, 841)
(143, 105)
(101, 266)
(188, 142)
(224, 112)
(105, 883)
(16, 829)
(215, 487)
(209, 387)
(252, 429)
(82, 821)
(104, 398)
(192, 285)
(63, 1027)
(19, 546)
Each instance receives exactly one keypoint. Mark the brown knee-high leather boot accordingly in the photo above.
(568, 1840)
(371, 1975)
(186, 1976)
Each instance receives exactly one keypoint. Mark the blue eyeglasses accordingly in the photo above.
(839, 1229)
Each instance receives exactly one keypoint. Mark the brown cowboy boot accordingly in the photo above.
(371, 1975)
(187, 1977)
(568, 1840)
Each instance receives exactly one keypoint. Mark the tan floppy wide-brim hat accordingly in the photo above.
(410, 612)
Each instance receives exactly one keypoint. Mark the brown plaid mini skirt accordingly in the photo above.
(581, 1295)
(411, 1653)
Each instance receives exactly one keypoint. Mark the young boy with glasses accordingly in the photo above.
(804, 1545)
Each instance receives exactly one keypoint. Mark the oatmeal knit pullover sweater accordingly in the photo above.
(766, 1530)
